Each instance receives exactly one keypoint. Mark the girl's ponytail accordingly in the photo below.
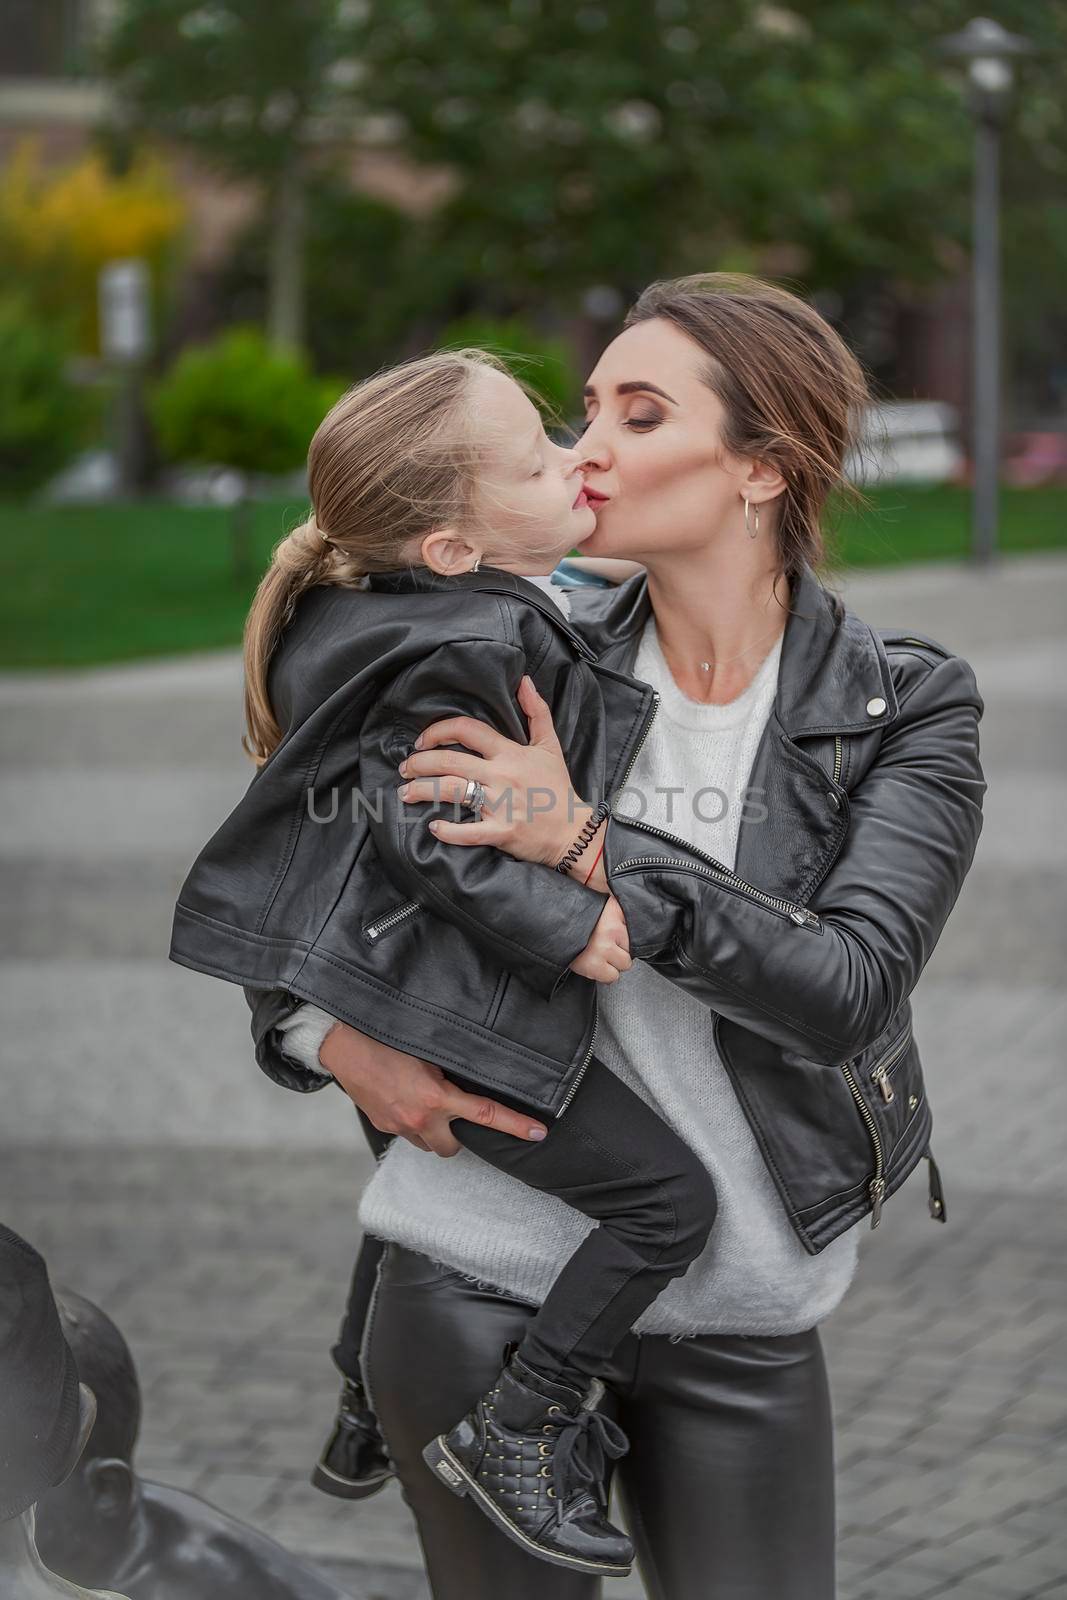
(300, 561)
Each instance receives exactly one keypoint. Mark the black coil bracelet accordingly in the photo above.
(585, 837)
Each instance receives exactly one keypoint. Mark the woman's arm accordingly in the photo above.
(831, 985)
(399, 1093)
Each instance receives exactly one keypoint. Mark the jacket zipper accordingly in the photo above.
(580, 1074)
(881, 1069)
(715, 869)
(572, 1091)
(876, 1187)
(838, 752)
(371, 930)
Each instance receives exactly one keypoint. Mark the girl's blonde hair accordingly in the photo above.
(392, 460)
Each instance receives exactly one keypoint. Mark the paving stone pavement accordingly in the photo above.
(180, 1189)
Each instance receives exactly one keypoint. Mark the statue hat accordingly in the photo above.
(39, 1400)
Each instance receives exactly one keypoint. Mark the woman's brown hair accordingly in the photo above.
(393, 459)
(792, 392)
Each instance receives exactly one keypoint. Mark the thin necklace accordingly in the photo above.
(705, 666)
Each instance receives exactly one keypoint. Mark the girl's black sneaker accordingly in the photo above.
(532, 1455)
(355, 1462)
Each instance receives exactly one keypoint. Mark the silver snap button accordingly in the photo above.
(913, 1101)
(876, 707)
(834, 801)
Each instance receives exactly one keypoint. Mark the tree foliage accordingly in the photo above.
(43, 418)
(59, 226)
(237, 403)
(617, 140)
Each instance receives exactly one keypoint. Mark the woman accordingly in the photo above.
(778, 929)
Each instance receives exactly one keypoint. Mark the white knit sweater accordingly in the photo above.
(754, 1276)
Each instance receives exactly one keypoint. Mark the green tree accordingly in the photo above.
(369, 296)
(251, 87)
(617, 140)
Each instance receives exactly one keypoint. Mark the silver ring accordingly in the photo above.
(473, 797)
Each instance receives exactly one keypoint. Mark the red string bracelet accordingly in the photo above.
(596, 858)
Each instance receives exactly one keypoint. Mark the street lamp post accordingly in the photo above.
(989, 52)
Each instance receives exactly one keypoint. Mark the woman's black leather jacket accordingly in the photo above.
(868, 791)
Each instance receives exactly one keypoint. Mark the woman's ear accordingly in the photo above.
(446, 551)
(762, 482)
(111, 1486)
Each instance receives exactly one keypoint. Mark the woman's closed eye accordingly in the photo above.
(638, 424)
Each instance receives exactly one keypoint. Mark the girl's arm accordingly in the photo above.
(530, 918)
(302, 1033)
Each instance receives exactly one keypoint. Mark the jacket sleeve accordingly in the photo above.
(833, 984)
(528, 917)
(273, 1011)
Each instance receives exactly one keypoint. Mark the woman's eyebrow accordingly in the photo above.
(638, 386)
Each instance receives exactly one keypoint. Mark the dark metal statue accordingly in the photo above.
(46, 1416)
(107, 1526)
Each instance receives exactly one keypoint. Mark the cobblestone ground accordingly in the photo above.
(217, 1228)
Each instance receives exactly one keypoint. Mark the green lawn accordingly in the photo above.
(83, 585)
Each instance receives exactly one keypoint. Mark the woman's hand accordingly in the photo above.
(607, 954)
(531, 810)
(413, 1098)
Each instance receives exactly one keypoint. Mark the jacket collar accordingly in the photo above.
(493, 580)
(833, 664)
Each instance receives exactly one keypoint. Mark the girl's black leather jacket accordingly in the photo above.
(866, 810)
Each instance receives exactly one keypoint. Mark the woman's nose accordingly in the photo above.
(592, 454)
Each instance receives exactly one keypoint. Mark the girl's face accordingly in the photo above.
(530, 496)
(656, 472)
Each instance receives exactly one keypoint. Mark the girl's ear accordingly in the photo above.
(446, 551)
(762, 482)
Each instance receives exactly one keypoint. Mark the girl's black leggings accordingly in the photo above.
(613, 1158)
(728, 1486)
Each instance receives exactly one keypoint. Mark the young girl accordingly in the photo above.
(404, 598)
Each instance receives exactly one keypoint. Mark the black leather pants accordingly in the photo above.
(727, 1490)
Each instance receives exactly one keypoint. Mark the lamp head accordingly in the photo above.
(989, 52)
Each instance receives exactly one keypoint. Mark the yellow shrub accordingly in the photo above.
(59, 226)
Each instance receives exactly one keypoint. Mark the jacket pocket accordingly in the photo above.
(879, 1080)
(889, 1059)
(397, 916)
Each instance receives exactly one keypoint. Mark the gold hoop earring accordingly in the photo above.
(749, 529)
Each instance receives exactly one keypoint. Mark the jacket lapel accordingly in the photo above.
(832, 665)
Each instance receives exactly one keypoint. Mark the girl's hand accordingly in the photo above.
(607, 955)
(531, 810)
